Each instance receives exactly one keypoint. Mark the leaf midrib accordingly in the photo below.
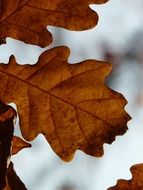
(51, 94)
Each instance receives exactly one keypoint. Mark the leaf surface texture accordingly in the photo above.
(69, 104)
(26, 20)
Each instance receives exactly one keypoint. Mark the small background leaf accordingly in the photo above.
(136, 183)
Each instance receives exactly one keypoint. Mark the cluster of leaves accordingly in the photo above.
(76, 109)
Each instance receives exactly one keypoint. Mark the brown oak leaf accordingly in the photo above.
(8, 144)
(18, 144)
(136, 183)
(68, 103)
(7, 114)
(13, 182)
(27, 20)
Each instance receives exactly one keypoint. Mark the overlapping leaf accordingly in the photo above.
(8, 145)
(136, 183)
(7, 114)
(26, 20)
(18, 144)
(13, 182)
(69, 104)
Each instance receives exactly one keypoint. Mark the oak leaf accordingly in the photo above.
(30, 17)
(136, 183)
(7, 114)
(68, 103)
(13, 182)
(8, 145)
(18, 144)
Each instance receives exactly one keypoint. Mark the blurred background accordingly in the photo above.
(118, 39)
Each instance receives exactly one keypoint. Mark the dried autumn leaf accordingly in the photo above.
(18, 144)
(69, 104)
(136, 183)
(7, 187)
(7, 114)
(7, 175)
(13, 181)
(31, 17)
